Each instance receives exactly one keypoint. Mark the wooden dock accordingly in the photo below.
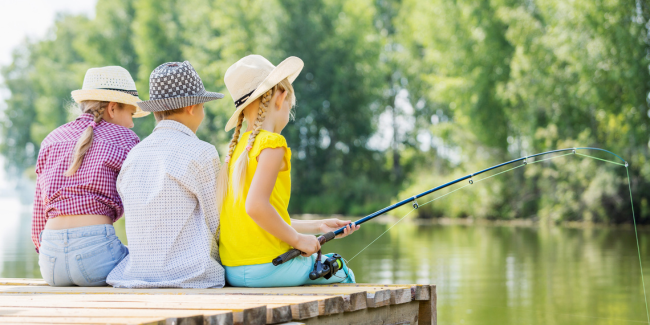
(32, 301)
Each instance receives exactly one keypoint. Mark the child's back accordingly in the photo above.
(256, 187)
(76, 201)
(92, 190)
(168, 188)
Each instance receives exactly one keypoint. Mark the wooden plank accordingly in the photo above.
(22, 281)
(242, 313)
(400, 296)
(84, 320)
(392, 314)
(323, 290)
(304, 311)
(370, 285)
(428, 309)
(355, 301)
(109, 313)
(334, 305)
(22, 301)
(354, 298)
(215, 317)
(418, 291)
(422, 292)
(378, 298)
(399, 293)
(279, 308)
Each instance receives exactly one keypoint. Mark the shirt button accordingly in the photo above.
(52, 259)
(78, 257)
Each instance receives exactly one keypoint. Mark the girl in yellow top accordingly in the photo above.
(255, 184)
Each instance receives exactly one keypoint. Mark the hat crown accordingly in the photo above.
(175, 79)
(112, 77)
(246, 75)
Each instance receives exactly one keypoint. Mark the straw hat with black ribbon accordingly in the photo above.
(174, 85)
(109, 84)
(252, 76)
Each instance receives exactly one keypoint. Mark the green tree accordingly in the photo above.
(40, 79)
(334, 170)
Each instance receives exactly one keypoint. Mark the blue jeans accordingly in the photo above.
(290, 274)
(79, 256)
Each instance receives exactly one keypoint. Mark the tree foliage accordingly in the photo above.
(396, 96)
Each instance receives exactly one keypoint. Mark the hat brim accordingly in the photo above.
(167, 104)
(289, 69)
(109, 96)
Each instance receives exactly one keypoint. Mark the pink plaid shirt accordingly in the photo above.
(91, 190)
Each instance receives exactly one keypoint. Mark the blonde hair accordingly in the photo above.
(96, 108)
(241, 165)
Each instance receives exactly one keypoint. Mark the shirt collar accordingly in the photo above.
(86, 116)
(169, 124)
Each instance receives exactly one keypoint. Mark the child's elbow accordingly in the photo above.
(252, 207)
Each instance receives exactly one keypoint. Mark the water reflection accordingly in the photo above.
(485, 274)
(510, 275)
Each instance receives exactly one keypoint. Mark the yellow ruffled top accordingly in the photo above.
(242, 241)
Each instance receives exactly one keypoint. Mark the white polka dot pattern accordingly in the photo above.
(168, 187)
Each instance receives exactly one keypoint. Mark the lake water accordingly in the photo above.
(484, 274)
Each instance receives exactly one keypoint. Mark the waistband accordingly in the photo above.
(88, 231)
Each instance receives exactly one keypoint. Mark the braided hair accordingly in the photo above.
(241, 165)
(96, 108)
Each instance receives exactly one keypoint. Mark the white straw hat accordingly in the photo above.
(252, 76)
(110, 84)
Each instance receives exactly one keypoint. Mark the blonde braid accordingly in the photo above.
(222, 175)
(96, 108)
(239, 174)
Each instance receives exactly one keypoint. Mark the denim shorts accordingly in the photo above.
(79, 256)
(290, 274)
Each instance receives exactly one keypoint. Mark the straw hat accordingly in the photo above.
(174, 85)
(254, 75)
(110, 84)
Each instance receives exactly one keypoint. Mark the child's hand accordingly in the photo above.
(328, 225)
(307, 244)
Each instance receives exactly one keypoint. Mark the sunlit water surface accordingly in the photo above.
(484, 274)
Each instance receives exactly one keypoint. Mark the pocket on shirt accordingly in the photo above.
(46, 264)
(95, 265)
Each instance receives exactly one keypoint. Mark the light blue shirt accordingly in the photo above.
(168, 188)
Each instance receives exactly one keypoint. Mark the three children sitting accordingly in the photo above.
(186, 215)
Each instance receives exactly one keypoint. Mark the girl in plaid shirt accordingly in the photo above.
(76, 200)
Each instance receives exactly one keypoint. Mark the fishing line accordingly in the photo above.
(638, 249)
(458, 189)
(471, 181)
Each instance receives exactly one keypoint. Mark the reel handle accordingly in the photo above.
(293, 253)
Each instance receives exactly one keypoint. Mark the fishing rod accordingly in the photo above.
(293, 253)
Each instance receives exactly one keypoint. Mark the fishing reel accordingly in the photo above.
(326, 269)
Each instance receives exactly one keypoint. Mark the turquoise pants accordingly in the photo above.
(290, 274)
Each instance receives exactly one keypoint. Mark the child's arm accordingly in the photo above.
(259, 208)
(315, 227)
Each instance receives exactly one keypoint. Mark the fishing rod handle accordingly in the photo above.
(293, 253)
